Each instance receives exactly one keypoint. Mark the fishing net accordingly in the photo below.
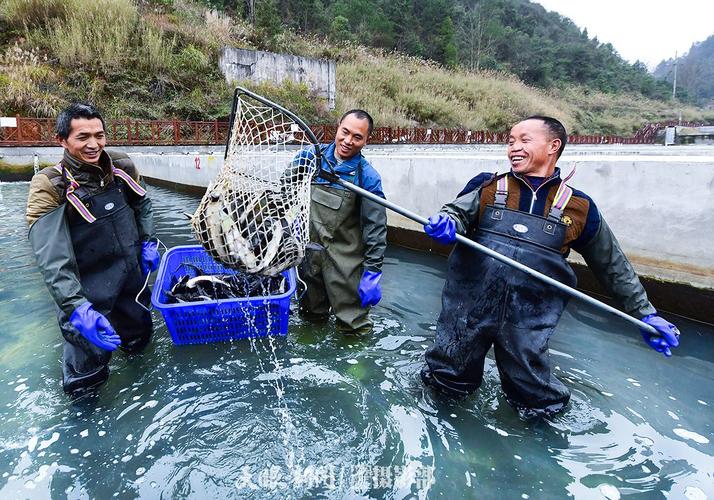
(254, 216)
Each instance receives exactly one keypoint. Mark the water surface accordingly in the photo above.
(316, 414)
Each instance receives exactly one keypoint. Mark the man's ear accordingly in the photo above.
(59, 140)
(555, 146)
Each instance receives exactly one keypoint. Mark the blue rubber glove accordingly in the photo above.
(95, 327)
(442, 228)
(149, 257)
(370, 291)
(668, 334)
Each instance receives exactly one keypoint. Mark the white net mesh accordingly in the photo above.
(254, 216)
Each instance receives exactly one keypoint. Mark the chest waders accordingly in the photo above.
(107, 252)
(486, 303)
(332, 267)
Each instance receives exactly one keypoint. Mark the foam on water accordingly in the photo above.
(684, 433)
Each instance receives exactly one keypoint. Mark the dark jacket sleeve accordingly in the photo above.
(52, 244)
(143, 210)
(373, 217)
(144, 214)
(374, 234)
(464, 210)
(615, 273)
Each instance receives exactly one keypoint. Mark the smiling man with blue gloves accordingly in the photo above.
(348, 234)
(92, 231)
(530, 215)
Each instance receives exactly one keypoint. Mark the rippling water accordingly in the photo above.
(320, 415)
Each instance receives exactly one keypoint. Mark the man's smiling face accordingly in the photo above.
(532, 149)
(86, 139)
(351, 136)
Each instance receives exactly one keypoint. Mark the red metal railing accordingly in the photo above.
(40, 132)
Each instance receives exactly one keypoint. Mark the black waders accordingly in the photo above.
(107, 253)
(486, 303)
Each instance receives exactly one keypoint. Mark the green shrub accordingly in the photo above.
(191, 60)
(296, 97)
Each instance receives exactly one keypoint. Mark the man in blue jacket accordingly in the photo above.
(532, 216)
(348, 234)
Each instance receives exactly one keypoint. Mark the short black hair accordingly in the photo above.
(557, 130)
(76, 110)
(362, 115)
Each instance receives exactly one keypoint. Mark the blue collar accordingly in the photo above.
(349, 165)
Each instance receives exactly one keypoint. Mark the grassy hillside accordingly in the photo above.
(159, 60)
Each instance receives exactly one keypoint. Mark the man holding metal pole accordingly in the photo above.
(531, 216)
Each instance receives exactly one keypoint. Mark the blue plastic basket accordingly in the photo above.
(216, 320)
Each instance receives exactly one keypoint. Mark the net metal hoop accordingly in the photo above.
(255, 214)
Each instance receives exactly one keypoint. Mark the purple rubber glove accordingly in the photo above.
(149, 257)
(668, 334)
(95, 327)
(442, 228)
(370, 292)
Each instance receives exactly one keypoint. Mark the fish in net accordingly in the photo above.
(254, 216)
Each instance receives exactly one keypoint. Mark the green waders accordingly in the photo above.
(332, 267)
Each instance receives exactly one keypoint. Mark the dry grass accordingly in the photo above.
(24, 78)
(108, 35)
(32, 13)
(404, 91)
(622, 114)
(97, 33)
(161, 61)
(155, 51)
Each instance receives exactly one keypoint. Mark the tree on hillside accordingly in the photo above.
(695, 72)
(406, 36)
(340, 30)
(431, 15)
(477, 34)
(542, 48)
(250, 11)
(448, 53)
(304, 15)
(267, 17)
(368, 22)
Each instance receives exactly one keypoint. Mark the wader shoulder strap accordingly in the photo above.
(323, 158)
(358, 175)
(562, 197)
(501, 192)
(129, 180)
(72, 197)
(76, 202)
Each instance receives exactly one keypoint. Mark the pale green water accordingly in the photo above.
(319, 415)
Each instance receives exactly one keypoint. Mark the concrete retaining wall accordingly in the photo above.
(660, 205)
(659, 201)
(258, 66)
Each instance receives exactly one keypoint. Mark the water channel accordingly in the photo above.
(319, 415)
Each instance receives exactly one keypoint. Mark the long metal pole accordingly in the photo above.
(332, 177)
(491, 253)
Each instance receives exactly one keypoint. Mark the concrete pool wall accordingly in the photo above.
(659, 201)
